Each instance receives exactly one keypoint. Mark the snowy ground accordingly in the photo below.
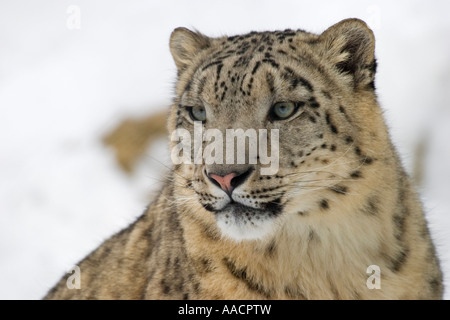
(62, 87)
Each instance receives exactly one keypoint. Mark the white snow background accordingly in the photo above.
(63, 87)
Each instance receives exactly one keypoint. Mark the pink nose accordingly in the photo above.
(225, 182)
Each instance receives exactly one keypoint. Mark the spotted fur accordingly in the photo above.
(339, 203)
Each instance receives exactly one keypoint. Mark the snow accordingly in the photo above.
(62, 88)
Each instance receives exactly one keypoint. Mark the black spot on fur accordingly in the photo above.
(256, 67)
(399, 223)
(373, 69)
(371, 207)
(312, 236)
(274, 206)
(356, 174)
(348, 139)
(397, 262)
(203, 265)
(294, 79)
(271, 248)
(241, 274)
(326, 94)
(435, 284)
(313, 103)
(196, 286)
(271, 62)
(330, 123)
(188, 86)
(344, 112)
(324, 204)
(212, 64)
(312, 41)
(209, 232)
(294, 293)
(149, 231)
(399, 217)
(300, 104)
(373, 66)
(167, 262)
(339, 189)
(270, 82)
(165, 287)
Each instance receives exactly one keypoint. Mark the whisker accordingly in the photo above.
(149, 156)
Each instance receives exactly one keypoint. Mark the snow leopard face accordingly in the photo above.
(293, 93)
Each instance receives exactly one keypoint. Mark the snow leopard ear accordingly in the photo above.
(350, 46)
(185, 44)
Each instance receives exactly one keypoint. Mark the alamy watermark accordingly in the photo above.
(374, 280)
(252, 146)
(74, 280)
(73, 21)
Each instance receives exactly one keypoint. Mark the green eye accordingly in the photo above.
(197, 113)
(283, 110)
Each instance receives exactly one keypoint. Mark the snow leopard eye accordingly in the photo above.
(197, 113)
(283, 110)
